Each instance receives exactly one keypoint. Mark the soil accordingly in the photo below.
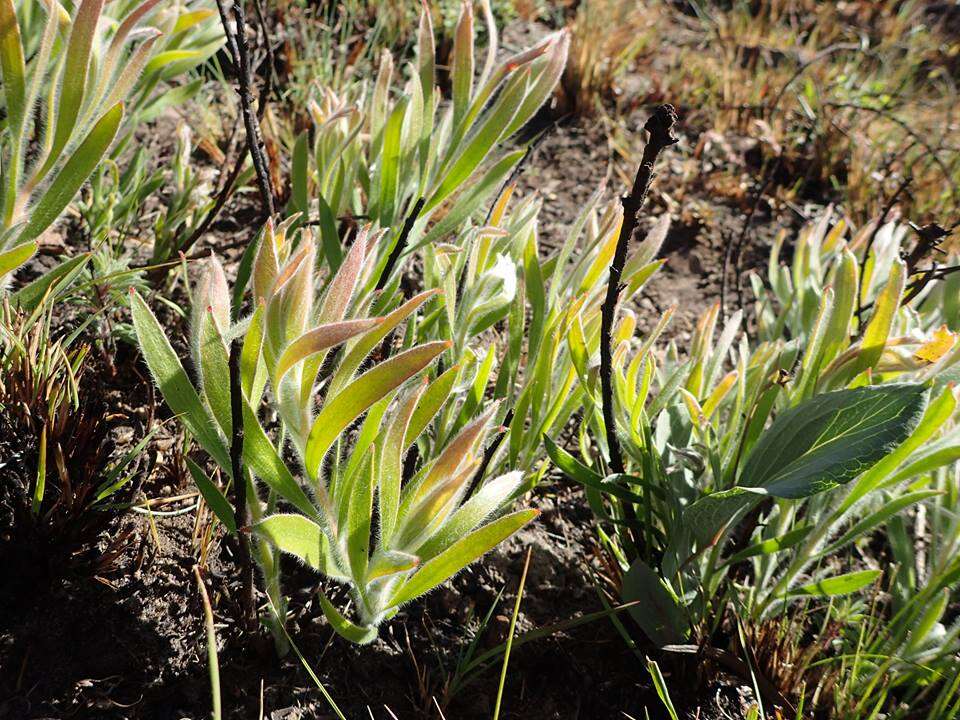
(131, 644)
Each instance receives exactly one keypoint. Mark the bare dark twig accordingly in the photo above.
(240, 507)
(401, 243)
(660, 129)
(735, 249)
(270, 59)
(488, 455)
(237, 39)
(928, 241)
(905, 126)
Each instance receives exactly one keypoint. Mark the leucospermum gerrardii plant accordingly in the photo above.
(376, 152)
(79, 67)
(425, 527)
(541, 313)
(784, 455)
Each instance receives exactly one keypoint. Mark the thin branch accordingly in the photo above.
(270, 59)
(660, 128)
(237, 38)
(226, 192)
(903, 125)
(240, 507)
(488, 455)
(401, 243)
(735, 249)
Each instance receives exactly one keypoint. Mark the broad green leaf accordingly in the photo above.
(359, 395)
(838, 585)
(253, 374)
(319, 339)
(460, 554)
(709, 516)
(295, 535)
(569, 465)
(430, 403)
(299, 169)
(426, 59)
(73, 85)
(389, 165)
(935, 415)
(845, 296)
(131, 71)
(329, 236)
(545, 75)
(174, 385)
(387, 563)
(462, 72)
(830, 439)
(470, 200)
(359, 516)
(12, 67)
(215, 499)
(812, 357)
(491, 129)
(343, 627)
(340, 291)
(422, 513)
(659, 615)
(74, 172)
(450, 461)
(818, 445)
(188, 19)
(391, 466)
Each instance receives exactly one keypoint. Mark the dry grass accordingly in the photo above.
(846, 101)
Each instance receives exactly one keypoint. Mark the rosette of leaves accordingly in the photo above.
(525, 322)
(349, 508)
(399, 153)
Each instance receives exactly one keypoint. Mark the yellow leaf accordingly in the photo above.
(942, 342)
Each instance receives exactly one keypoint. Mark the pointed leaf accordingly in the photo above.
(460, 554)
(359, 395)
(343, 627)
(838, 585)
(215, 499)
(295, 535)
(173, 382)
(74, 173)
